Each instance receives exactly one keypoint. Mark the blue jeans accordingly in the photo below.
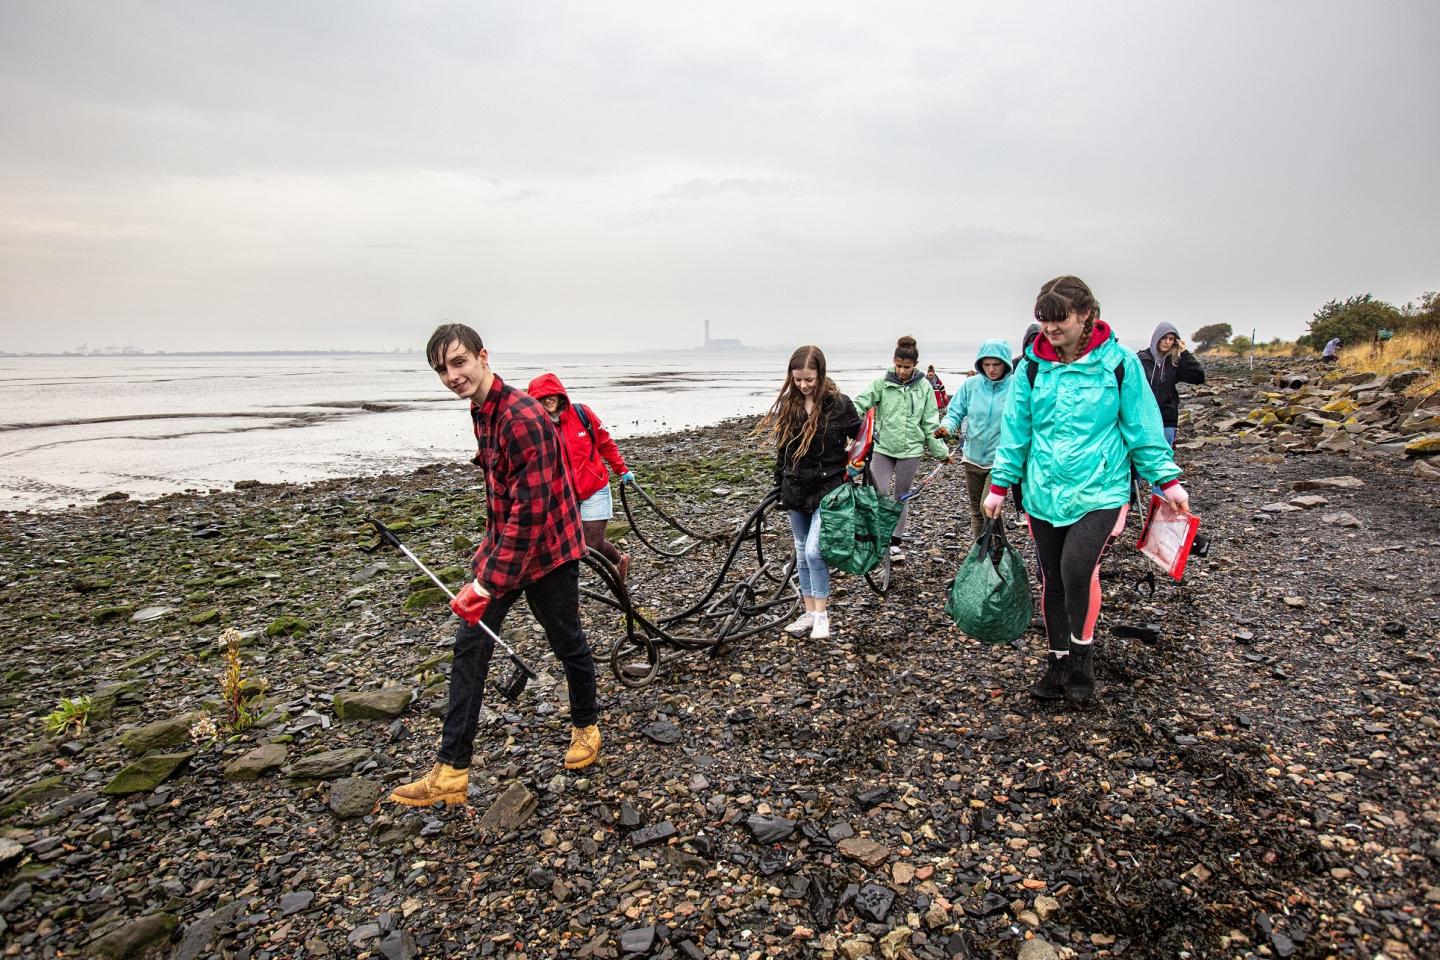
(814, 574)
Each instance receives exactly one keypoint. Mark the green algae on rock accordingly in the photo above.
(147, 773)
(288, 625)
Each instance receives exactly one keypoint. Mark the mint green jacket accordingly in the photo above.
(1073, 436)
(905, 416)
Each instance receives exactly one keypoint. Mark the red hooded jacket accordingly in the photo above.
(585, 458)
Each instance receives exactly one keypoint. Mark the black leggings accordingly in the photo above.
(1070, 573)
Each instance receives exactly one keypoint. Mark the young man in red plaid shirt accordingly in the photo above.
(533, 545)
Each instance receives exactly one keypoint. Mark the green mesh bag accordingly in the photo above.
(856, 524)
(990, 598)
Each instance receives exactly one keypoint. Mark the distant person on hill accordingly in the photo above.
(905, 421)
(533, 544)
(1167, 363)
(588, 449)
(1331, 353)
(979, 405)
(1077, 416)
(812, 423)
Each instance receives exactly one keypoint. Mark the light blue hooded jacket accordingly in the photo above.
(980, 404)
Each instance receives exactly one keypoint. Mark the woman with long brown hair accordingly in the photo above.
(811, 422)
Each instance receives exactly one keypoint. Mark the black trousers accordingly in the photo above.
(1070, 573)
(555, 601)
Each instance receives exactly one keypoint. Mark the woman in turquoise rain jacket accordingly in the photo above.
(1079, 414)
(905, 421)
(980, 405)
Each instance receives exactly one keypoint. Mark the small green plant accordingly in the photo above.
(70, 716)
(238, 715)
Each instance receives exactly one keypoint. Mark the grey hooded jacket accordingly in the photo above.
(1164, 373)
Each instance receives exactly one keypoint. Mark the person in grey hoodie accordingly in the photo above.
(1166, 363)
(980, 405)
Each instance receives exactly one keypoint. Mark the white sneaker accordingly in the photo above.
(801, 624)
(897, 555)
(821, 629)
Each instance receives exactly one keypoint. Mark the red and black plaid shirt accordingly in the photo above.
(534, 520)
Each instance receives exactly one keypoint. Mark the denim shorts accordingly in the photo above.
(598, 506)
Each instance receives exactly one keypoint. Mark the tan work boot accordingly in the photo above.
(584, 747)
(443, 784)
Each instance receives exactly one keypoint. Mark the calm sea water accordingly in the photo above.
(75, 428)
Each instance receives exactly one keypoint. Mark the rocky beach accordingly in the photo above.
(1257, 779)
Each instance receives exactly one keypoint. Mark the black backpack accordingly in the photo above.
(584, 416)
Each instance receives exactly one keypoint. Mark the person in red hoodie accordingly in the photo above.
(588, 449)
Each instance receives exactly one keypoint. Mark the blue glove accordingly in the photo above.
(854, 473)
(628, 476)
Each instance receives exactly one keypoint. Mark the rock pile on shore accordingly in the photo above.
(1299, 407)
(1256, 780)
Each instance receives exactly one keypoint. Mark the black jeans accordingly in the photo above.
(555, 601)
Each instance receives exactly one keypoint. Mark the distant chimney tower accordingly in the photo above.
(707, 331)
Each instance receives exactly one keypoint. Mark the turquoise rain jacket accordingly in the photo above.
(1073, 436)
(906, 416)
(980, 403)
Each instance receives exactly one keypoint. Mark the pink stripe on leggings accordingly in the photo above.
(1094, 615)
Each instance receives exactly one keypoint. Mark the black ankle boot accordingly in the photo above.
(1052, 685)
(1080, 682)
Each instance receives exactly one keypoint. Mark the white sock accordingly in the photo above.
(1077, 642)
(1060, 653)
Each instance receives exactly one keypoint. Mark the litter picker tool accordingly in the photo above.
(521, 675)
(915, 490)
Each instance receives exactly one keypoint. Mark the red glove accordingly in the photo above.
(470, 603)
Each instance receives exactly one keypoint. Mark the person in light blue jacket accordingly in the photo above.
(979, 404)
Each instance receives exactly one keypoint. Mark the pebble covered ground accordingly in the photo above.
(1257, 779)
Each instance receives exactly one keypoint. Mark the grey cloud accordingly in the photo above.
(960, 242)
(701, 189)
(817, 164)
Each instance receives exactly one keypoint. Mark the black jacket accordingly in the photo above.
(1165, 375)
(804, 481)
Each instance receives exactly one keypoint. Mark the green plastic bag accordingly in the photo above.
(990, 598)
(856, 524)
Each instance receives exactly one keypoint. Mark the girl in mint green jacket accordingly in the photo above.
(1079, 414)
(905, 421)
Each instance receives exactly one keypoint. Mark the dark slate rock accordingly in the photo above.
(873, 902)
(136, 937)
(296, 902)
(655, 833)
(769, 829)
(639, 940)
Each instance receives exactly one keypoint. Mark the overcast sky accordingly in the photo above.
(192, 175)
